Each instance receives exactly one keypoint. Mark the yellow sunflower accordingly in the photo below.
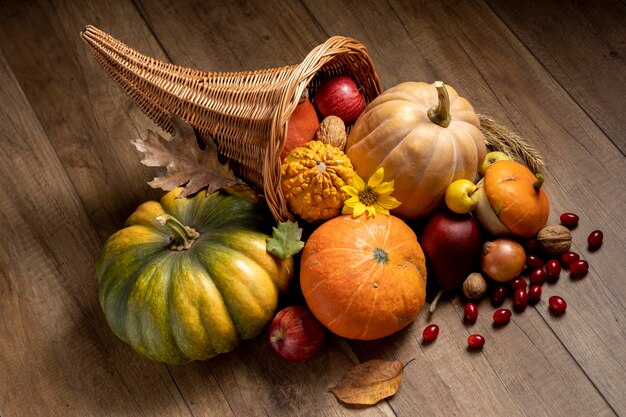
(371, 197)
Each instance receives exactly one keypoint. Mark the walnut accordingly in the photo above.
(554, 240)
(474, 286)
(332, 131)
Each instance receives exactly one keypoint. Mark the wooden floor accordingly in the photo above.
(70, 177)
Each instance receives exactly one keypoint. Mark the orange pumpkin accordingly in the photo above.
(363, 278)
(515, 196)
(425, 136)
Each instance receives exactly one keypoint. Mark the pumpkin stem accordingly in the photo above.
(182, 236)
(440, 114)
(433, 304)
(539, 182)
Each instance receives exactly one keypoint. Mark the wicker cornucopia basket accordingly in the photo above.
(246, 112)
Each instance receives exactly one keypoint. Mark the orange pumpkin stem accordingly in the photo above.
(440, 114)
(182, 236)
(539, 182)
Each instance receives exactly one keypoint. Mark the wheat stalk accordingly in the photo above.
(501, 138)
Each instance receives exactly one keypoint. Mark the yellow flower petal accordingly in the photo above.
(351, 202)
(377, 178)
(358, 209)
(371, 211)
(381, 209)
(358, 183)
(350, 190)
(347, 210)
(384, 188)
(388, 202)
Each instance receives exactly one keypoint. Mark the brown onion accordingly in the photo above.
(503, 259)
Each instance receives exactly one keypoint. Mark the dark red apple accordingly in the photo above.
(452, 245)
(295, 334)
(339, 96)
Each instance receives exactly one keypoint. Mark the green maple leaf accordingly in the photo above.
(285, 241)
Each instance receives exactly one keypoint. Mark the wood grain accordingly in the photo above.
(72, 178)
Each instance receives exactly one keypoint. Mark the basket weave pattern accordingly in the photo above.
(245, 112)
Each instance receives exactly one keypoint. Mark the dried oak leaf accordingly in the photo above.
(369, 382)
(185, 163)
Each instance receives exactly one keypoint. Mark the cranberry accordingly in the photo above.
(569, 220)
(520, 300)
(537, 276)
(568, 258)
(534, 262)
(553, 269)
(595, 239)
(534, 293)
(470, 313)
(499, 295)
(475, 341)
(501, 316)
(430, 333)
(579, 268)
(557, 304)
(518, 283)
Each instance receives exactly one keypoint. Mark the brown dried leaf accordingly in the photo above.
(369, 382)
(184, 161)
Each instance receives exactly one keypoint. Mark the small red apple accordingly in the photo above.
(295, 334)
(339, 96)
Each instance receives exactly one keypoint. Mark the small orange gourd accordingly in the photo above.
(302, 125)
(363, 278)
(517, 198)
(312, 177)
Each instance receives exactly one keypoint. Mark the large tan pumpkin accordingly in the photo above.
(425, 136)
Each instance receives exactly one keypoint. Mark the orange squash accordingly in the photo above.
(515, 196)
(425, 136)
(363, 278)
(302, 125)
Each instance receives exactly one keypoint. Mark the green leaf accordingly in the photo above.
(285, 241)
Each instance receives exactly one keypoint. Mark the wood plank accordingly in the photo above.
(57, 357)
(455, 42)
(581, 44)
(91, 128)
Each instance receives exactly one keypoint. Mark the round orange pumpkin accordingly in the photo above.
(516, 198)
(425, 136)
(302, 126)
(363, 278)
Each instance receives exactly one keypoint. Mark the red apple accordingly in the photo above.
(295, 334)
(339, 96)
(452, 245)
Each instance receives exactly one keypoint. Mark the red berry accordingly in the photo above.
(595, 239)
(499, 295)
(557, 304)
(579, 268)
(518, 283)
(501, 316)
(537, 276)
(569, 220)
(534, 262)
(520, 300)
(534, 293)
(569, 258)
(430, 333)
(531, 245)
(470, 313)
(553, 269)
(475, 341)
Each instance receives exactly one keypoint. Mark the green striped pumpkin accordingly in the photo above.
(188, 278)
